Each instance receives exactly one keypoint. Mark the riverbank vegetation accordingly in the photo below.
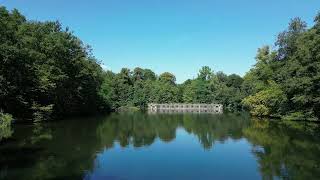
(286, 82)
(5, 125)
(47, 72)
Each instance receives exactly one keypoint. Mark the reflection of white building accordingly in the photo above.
(181, 107)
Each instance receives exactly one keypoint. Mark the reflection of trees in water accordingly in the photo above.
(67, 149)
(209, 128)
(288, 150)
(136, 129)
(141, 129)
(60, 150)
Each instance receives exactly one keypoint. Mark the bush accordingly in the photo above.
(128, 109)
(5, 125)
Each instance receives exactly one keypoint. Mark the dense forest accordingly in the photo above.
(285, 82)
(46, 72)
(138, 87)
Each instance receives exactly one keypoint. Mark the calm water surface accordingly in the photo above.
(162, 146)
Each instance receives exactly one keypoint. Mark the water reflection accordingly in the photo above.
(288, 150)
(186, 146)
(141, 129)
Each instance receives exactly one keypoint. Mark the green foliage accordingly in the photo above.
(205, 73)
(128, 109)
(295, 67)
(165, 92)
(267, 102)
(5, 125)
(48, 72)
(140, 87)
(45, 71)
(167, 77)
(295, 116)
(210, 87)
(42, 112)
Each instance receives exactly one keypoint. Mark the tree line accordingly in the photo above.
(139, 87)
(285, 82)
(47, 72)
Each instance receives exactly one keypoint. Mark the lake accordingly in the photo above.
(162, 146)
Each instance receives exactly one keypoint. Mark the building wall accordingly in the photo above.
(179, 107)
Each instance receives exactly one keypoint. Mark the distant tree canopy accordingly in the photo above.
(128, 88)
(46, 71)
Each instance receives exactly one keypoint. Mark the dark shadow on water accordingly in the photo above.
(19, 157)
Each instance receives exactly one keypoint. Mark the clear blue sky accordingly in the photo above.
(178, 36)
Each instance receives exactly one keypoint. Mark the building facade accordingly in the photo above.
(182, 107)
